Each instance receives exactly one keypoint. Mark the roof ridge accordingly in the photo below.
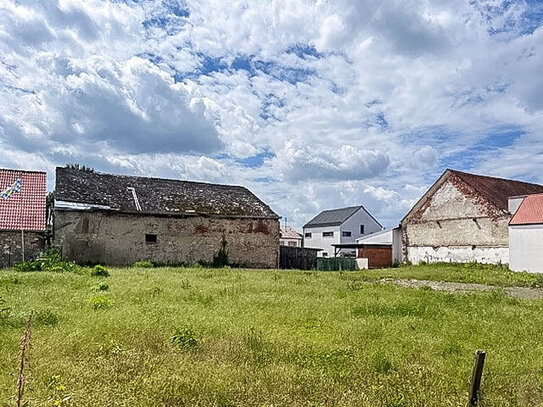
(25, 171)
(154, 178)
(457, 172)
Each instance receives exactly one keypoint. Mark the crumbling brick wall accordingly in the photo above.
(120, 239)
(11, 246)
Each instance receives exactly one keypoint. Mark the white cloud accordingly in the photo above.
(358, 102)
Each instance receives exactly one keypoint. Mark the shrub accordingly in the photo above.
(221, 258)
(185, 338)
(99, 271)
(143, 264)
(101, 286)
(50, 261)
(100, 302)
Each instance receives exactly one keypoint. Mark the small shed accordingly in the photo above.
(526, 234)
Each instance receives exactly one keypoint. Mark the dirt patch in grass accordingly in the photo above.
(517, 292)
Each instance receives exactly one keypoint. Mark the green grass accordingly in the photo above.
(461, 273)
(228, 337)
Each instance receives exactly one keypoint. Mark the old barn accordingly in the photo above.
(461, 218)
(118, 220)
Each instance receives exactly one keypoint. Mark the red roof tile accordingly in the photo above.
(22, 200)
(530, 211)
(498, 190)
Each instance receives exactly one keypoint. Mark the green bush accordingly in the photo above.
(50, 261)
(99, 271)
(221, 258)
(100, 302)
(101, 286)
(185, 338)
(143, 264)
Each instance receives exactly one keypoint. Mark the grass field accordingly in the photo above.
(267, 338)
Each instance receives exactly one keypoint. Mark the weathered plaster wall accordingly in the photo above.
(526, 248)
(456, 225)
(489, 255)
(11, 246)
(119, 239)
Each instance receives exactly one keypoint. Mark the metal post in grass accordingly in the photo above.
(476, 377)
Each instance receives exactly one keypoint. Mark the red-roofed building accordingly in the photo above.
(461, 218)
(22, 215)
(526, 234)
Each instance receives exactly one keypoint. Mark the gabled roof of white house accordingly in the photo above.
(287, 232)
(335, 217)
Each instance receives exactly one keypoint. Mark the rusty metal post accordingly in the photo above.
(476, 378)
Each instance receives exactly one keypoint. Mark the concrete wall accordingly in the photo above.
(11, 246)
(453, 226)
(526, 248)
(119, 239)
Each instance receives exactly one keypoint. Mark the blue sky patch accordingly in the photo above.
(256, 160)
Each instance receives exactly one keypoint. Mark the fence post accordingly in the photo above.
(476, 377)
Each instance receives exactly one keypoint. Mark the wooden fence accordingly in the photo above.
(301, 258)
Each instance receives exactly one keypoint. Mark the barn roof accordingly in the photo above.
(530, 211)
(335, 217)
(498, 190)
(495, 191)
(83, 190)
(22, 200)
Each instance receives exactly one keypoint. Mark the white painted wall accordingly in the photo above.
(361, 217)
(317, 241)
(526, 248)
(285, 241)
(514, 203)
(459, 254)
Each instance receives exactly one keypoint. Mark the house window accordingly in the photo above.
(327, 234)
(308, 235)
(346, 234)
(150, 238)
(282, 242)
(292, 244)
(361, 229)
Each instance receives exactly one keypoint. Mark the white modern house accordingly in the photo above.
(343, 225)
(526, 234)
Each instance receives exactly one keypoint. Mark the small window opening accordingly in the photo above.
(150, 238)
(361, 229)
(346, 234)
(85, 226)
(327, 234)
(308, 235)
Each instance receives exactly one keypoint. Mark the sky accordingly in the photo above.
(312, 105)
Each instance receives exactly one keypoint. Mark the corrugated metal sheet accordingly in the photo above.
(530, 211)
(22, 200)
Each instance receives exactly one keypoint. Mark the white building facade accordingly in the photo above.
(343, 225)
(526, 235)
